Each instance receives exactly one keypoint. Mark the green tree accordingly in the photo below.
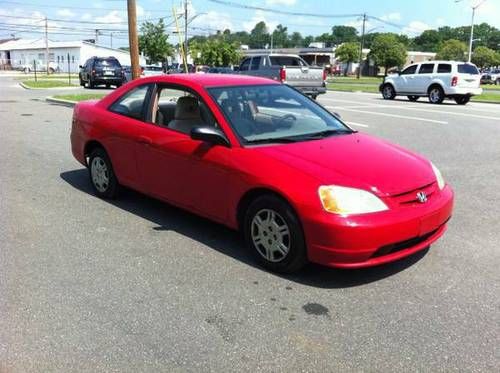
(427, 41)
(452, 50)
(215, 52)
(484, 57)
(343, 34)
(153, 42)
(308, 40)
(387, 51)
(259, 36)
(347, 53)
(280, 37)
(296, 40)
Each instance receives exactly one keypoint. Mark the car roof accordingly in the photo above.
(211, 80)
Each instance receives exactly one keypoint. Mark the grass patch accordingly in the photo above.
(47, 83)
(81, 96)
(371, 88)
(488, 97)
(44, 76)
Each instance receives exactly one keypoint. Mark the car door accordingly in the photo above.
(176, 168)
(424, 77)
(405, 82)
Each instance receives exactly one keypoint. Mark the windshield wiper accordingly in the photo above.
(326, 133)
(278, 140)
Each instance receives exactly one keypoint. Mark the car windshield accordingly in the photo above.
(467, 69)
(275, 113)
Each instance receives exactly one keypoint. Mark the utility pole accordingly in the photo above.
(46, 46)
(186, 28)
(361, 46)
(133, 38)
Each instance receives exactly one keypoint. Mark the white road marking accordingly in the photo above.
(436, 108)
(389, 115)
(357, 124)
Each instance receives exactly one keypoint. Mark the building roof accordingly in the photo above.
(22, 44)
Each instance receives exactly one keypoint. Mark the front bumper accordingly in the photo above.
(457, 91)
(373, 239)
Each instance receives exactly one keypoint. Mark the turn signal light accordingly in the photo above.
(324, 75)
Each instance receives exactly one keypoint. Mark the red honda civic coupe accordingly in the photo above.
(260, 157)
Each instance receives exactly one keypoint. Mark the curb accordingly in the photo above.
(38, 89)
(60, 101)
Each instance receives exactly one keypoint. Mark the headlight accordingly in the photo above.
(439, 177)
(343, 200)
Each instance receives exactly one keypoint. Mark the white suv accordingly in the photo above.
(435, 79)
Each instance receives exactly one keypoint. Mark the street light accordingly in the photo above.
(472, 25)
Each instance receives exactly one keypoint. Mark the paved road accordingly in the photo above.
(137, 285)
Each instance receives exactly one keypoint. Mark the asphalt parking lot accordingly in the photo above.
(138, 285)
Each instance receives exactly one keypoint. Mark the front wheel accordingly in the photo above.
(462, 100)
(274, 235)
(388, 92)
(413, 98)
(101, 174)
(436, 95)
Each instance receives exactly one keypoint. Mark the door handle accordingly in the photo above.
(144, 140)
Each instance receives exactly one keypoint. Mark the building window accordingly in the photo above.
(62, 58)
(72, 59)
(58, 59)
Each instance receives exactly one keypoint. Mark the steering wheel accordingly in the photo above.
(286, 121)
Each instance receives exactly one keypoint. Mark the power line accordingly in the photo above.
(278, 11)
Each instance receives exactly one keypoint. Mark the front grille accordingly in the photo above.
(409, 198)
(402, 245)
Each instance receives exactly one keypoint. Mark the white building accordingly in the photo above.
(63, 54)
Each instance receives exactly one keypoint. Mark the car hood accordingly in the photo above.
(356, 160)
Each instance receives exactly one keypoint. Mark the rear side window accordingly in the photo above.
(133, 104)
(107, 62)
(286, 61)
(255, 63)
(465, 68)
(426, 68)
(444, 68)
(245, 64)
(409, 70)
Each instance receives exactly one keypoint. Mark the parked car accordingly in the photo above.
(436, 80)
(491, 77)
(150, 70)
(260, 157)
(101, 70)
(289, 69)
(42, 67)
(220, 70)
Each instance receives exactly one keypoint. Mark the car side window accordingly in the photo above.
(132, 104)
(255, 63)
(180, 110)
(245, 64)
(444, 68)
(409, 70)
(426, 68)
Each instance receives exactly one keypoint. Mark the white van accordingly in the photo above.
(434, 79)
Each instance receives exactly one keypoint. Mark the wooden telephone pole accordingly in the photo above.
(133, 39)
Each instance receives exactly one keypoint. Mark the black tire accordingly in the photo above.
(462, 100)
(314, 97)
(296, 255)
(118, 85)
(388, 92)
(108, 86)
(436, 94)
(99, 160)
(82, 83)
(91, 84)
(413, 98)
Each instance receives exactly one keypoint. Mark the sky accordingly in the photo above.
(76, 20)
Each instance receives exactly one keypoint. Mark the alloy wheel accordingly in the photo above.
(100, 174)
(270, 235)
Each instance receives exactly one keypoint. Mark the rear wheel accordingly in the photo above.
(413, 98)
(436, 95)
(274, 234)
(497, 82)
(462, 100)
(101, 174)
(388, 92)
(91, 84)
(314, 97)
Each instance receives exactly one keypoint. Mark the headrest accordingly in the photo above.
(187, 108)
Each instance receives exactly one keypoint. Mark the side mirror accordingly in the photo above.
(80, 66)
(211, 135)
